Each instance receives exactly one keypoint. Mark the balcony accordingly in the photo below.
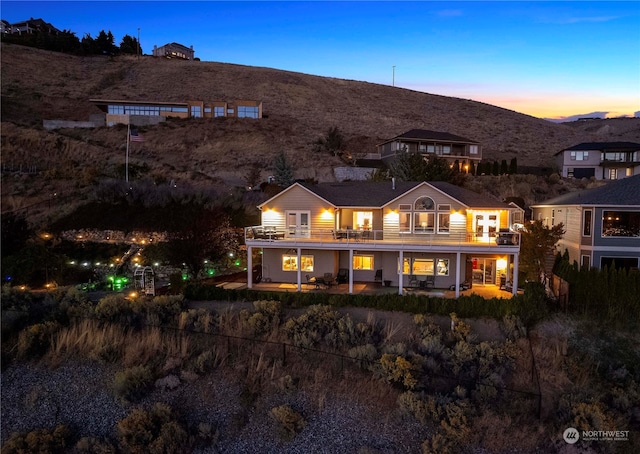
(377, 239)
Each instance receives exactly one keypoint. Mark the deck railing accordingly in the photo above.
(260, 234)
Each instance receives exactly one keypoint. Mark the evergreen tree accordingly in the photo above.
(495, 170)
(504, 169)
(130, 45)
(472, 168)
(283, 172)
(513, 166)
(537, 241)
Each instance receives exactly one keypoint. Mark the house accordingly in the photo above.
(33, 26)
(146, 112)
(401, 233)
(602, 224)
(429, 143)
(602, 160)
(174, 50)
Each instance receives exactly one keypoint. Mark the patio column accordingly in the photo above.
(249, 267)
(400, 283)
(299, 270)
(350, 271)
(457, 274)
(514, 282)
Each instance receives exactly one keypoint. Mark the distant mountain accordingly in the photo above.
(587, 116)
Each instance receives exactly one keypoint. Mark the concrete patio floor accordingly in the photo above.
(487, 291)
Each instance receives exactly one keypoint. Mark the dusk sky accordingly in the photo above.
(546, 59)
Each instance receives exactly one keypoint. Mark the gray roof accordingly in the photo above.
(424, 134)
(603, 146)
(615, 193)
(378, 194)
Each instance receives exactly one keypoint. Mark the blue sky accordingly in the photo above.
(546, 59)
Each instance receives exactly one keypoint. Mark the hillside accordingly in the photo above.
(300, 108)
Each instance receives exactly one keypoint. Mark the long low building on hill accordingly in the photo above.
(121, 111)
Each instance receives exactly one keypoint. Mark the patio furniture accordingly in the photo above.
(413, 281)
(269, 233)
(378, 277)
(343, 276)
(312, 280)
(329, 280)
(430, 282)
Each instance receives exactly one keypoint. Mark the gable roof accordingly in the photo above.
(424, 134)
(379, 194)
(603, 146)
(616, 193)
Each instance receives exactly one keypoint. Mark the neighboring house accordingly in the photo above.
(428, 143)
(33, 26)
(602, 224)
(5, 27)
(174, 50)
(403, 234)
(121, 111)
(603, 160)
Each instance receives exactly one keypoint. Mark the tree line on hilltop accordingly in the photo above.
(66, 41)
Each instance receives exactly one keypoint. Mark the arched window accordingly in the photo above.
(424, 216)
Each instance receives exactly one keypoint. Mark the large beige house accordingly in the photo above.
(404, 234)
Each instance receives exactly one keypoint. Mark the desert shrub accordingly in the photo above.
(455, 432)
(426, 326)
(399, 370)
(206, 361)
(365, 354)
(115, 308)
(132, 383)
(90, 445)
(309, 329)
(200, 320)
(35, 340)
(39, 441)
(290, 422)
(156, 431)
(425, 408)
(512, 327)
(161, 309)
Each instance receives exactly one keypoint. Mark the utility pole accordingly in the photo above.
(393, 80)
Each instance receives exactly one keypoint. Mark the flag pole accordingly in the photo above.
(126, 163)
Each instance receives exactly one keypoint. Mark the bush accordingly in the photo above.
(156, 432)
(90, 445)
(41, 441)
(114, 308)
(133, 383)
(290, 421)
(35, 340)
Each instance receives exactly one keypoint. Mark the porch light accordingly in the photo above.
(326, 215)
(501, 264)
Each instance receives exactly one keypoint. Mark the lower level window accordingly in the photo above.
(290, 262)
(442, 267)
(422, 266)
(363, 262)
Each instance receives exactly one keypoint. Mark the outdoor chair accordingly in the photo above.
(343, 276)
(378, 277)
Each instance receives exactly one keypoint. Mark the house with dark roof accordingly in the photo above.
(432, 143)
(174, 50)
(405, 234)
(602, 224)
(602, 160)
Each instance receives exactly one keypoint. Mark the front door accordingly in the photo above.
(298, 223)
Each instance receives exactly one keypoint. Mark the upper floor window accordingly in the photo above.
(473, 149)
(218, 111)
(586, 224)
(579, 155)
(621, 223)
(196, 111)
(613, 156)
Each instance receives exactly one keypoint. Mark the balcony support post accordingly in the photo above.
(400, 280)
(457, 274)
(249, 267)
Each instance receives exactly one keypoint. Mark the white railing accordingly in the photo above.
(258, 234)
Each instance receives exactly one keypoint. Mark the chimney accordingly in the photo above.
(393, 183)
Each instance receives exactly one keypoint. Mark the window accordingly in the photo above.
(446, 149)
(579, 155)
(423, 204)
(363, 262)
(218, 111)
(473, 149)
(443, 222)
(613, 174)
(553, 217)
(247, 112)
(424, 222)
(585, 262)
(362, 220)
(569, 172)
(586, 224)
(405, 222)
(442, 267)
(423, 267)
(290, 262)
(621, 223)
(207, 110)
(423, 148)
(629, 172)
(196, 112)
(517, 217)
(431, 148)
(230, 111)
